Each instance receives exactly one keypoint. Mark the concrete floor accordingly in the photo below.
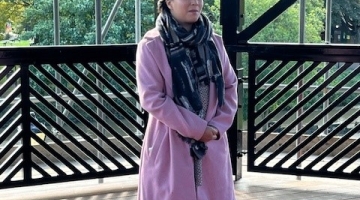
(253, 186)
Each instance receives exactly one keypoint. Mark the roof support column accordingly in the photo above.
(56, 19)
(98, 21)
(137, 20)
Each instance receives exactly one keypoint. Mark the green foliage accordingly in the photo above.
(346, 10)
(77, 21)
(285, 28)
(212, 11)
(349, 7)
(10, 13)
(77, 25)
(24, 3)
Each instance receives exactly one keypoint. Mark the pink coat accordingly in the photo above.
(166, 168)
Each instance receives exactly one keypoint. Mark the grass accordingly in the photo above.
(21, 43)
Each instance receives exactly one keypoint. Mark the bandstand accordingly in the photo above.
(83, 101)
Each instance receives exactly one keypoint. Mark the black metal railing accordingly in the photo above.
(68, 113)
(303, 109)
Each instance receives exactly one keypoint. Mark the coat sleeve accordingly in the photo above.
(225, 114)
(153, 98)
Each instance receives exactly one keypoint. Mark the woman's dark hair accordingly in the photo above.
(161, 6)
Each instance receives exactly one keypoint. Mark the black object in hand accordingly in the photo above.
(198, 150)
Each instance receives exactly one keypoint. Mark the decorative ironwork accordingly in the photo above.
(68, 113)
(317, 134)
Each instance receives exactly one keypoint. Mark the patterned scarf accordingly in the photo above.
(193, 58)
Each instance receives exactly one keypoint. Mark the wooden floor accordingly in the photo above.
(253, 186)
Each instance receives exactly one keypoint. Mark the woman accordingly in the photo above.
(189, 89)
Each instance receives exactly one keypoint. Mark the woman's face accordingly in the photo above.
(186, 12)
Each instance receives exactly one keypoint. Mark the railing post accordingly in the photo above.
(251, 132)
(229, 18)
(299, 71)
(328, 6)
(25, 115)
(99, 40)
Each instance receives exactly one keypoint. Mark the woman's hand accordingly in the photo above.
(210, 133)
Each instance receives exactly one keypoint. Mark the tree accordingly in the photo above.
(77, 21)
(212, 11)
(345, 15)
(285, 28)
(24, 3)
(12, 14)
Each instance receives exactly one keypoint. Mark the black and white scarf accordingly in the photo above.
(193, 58)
